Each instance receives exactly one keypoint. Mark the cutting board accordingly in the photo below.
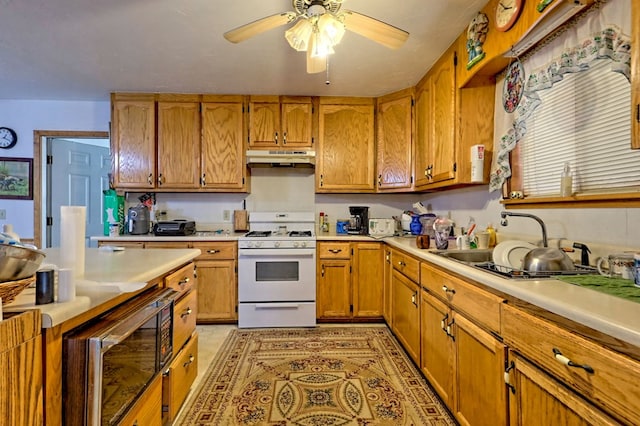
(240, 220)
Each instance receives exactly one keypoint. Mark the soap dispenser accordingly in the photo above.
(566, 181)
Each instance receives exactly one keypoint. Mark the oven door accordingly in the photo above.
(276, 275)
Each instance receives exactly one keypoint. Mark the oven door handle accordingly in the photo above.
(259, 306)
(276, 252)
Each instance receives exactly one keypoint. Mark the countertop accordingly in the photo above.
(198, 236)
(107, 275)
(611, 315)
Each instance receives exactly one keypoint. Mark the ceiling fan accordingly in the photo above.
(320, 25)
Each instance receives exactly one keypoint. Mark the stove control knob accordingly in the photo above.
(276, 244)
(258, 244)
(249, 244)
(296, 244)
(303, 244)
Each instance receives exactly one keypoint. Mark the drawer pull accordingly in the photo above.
(183, 281)
(507, 378)
(401, 263)
(186, 313)
(443, 323)
(448, 290)
(414, 299)
(191, 359)
(213, 251)
(335, 251)
(566, 361)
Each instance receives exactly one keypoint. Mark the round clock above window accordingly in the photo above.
(8, 138)
(507, 13)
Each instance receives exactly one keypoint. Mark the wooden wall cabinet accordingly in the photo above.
(21, 393)
(345, 161)
(198, 145)
(348, 280)
(280, 122)
(460, 355)
(394, 147)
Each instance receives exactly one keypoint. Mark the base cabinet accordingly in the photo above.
(21, 400)
(538, 399)
(177, 379)
(148, 409)
(406, 313)
(216, 269)
(349, 283)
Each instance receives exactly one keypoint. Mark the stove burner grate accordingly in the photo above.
(258, 234)
(300, 234)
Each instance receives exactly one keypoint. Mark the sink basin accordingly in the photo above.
(468, 256)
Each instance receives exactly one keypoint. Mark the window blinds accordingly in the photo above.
(583, 119)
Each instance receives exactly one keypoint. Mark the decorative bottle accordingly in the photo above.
(566, 181)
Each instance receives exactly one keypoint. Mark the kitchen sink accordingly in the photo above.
(468, 256)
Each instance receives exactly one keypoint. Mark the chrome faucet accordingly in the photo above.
(504, 222)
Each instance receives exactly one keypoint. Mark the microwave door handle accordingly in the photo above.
(125, 328)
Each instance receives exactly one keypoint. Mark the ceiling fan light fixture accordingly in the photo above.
(331, 28)
(299, 35)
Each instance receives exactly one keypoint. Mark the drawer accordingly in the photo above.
(181, 280)
(408, 265)
(184, 319)
(166, 245)
(334, 250)
(613, 382)
(479, 305)
(216, 250)
(178, 378)
(148, 408)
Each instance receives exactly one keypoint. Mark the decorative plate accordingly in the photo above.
(513, 86)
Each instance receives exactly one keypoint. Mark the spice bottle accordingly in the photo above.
(566, 181)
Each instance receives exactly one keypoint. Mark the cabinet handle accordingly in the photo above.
(191, 359)
(284, 138)
(150, 179)
(401, 263)
(335, 251)
(213, 251)
(379, 180)
(448, 290)
(566, 361)
(507, 378)
(186, 313)
(322, 271)
(276, 138)
(183, 281)
(203, 180)
(443, 322)
(414, 299)
(453, 321)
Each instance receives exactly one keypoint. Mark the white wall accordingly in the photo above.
(25, 117)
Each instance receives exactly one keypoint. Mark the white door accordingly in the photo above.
(76, 176)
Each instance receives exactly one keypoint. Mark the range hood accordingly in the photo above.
(281, 158)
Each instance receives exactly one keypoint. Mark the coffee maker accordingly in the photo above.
(359, 220)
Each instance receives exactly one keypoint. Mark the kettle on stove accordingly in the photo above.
(138, 220)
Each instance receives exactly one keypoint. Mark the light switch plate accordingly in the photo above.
(226, 215)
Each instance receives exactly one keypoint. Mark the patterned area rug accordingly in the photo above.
(313, 377)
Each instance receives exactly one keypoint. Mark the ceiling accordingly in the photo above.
(86, 49)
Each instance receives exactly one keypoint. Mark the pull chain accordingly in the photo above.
(327, 81)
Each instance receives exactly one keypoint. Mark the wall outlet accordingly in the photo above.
(226, 215)
(3, 214)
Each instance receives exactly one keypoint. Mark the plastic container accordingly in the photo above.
(492, 235)
(415, 226)
(342, 226)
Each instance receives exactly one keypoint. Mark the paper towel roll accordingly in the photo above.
(72, 237)
(477, 163)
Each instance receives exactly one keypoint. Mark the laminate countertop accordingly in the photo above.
(108, 275)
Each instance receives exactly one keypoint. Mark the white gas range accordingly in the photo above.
(277, 271)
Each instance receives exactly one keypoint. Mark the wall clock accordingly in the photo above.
(507, 13)
(8, 138)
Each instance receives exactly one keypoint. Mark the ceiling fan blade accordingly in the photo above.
(315, 64)
(378, 31)
(254, 28)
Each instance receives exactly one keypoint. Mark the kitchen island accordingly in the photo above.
(110, 279)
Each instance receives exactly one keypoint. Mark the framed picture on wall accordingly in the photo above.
(16, 178)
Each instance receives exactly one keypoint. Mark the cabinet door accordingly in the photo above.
(178, 145)
(296, 124)
(367, 284)
(437, 346)
(148, 408)
(178, 378)
(185, 313)
(223, 159)
(424, 135)
(345, 158)
(333, 289)
(388, 269)
(442, 147)
(537, 399)
(133, 143)
(217, 291)
(394, 143)
(481, 394)
(406, 314)
(264, 124)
